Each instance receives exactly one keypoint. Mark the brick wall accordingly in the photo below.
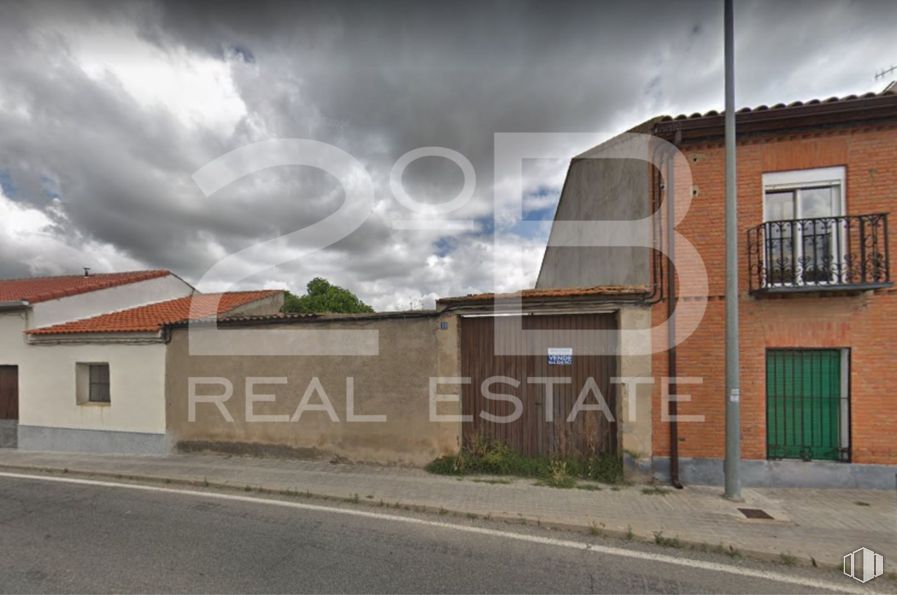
(866, 323)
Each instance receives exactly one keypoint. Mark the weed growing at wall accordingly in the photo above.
(496, 458)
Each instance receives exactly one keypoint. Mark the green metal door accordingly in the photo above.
(803, 404)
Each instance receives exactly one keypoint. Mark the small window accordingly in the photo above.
(93, 383)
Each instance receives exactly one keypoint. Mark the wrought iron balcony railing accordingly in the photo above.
(824, 253)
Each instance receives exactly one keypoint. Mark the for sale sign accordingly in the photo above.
(560, 356)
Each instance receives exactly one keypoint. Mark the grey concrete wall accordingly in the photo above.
(786, 474)
(72, 440)
(8, 433)
(599, 189)
(395, 383)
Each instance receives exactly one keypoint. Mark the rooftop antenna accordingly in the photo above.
(87, 271)
(884, 72)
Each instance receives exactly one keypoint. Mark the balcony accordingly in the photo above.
(848, 253)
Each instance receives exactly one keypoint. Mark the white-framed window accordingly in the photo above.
(92, 383)
(801, 211)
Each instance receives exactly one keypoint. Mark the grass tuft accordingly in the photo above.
(490, 457)
(787, 559)
(655, 490)
(660, 539)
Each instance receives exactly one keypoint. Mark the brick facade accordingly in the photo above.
(866, 323)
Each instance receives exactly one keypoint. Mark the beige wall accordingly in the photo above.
(394, 383)
(634, 409)
(262, 307)
(12, 336)
(111, 299)
(600, 186)
(47, 387)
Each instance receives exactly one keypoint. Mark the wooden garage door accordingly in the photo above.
(541, 430)
(9, 392)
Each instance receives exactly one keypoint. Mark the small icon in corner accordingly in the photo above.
(863, 565)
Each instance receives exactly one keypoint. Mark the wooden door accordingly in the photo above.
(9, 392)
(543, 428)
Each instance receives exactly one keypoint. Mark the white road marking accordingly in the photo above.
(576, 545)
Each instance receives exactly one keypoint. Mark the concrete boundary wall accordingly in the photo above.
(395, 383)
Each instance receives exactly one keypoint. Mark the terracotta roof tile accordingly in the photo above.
(41, 289)
(152, 317)
(781, 106)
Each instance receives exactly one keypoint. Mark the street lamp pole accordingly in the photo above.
(733, 365)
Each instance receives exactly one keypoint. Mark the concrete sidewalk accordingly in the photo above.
(820, 525)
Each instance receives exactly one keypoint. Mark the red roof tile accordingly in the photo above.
(868, 109)
(41, 289)
(153, 317)
(846, 100)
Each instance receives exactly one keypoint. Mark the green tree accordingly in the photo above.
(322, 297)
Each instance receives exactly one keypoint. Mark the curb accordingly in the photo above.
(598, 531)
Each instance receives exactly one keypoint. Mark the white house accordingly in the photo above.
(82, 358)
(41, 301)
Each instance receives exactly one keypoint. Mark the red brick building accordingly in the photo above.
(816, 182)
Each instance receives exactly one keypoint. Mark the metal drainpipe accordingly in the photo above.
(671, 322)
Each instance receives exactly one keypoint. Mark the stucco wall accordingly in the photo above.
(92, 303)
(47, 395)
(599, 189)
(634, 406)
(394, 383)
(50, 417)
(262, 307)
(12, 338)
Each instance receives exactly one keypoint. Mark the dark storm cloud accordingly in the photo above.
(376, 79)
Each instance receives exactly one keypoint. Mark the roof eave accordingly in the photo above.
(129, 338)
(817, 115)
(14, 305)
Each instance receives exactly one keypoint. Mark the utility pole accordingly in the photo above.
(733, 365)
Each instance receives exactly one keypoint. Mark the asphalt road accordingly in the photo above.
(62, 537)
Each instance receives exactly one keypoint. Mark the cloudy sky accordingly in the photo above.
(107, 109)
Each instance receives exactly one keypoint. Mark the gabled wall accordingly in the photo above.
(85, 305)
(599, 189)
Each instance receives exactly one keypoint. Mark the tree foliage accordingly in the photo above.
(322, 297)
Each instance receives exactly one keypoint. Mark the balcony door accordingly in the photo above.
(800, 211)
